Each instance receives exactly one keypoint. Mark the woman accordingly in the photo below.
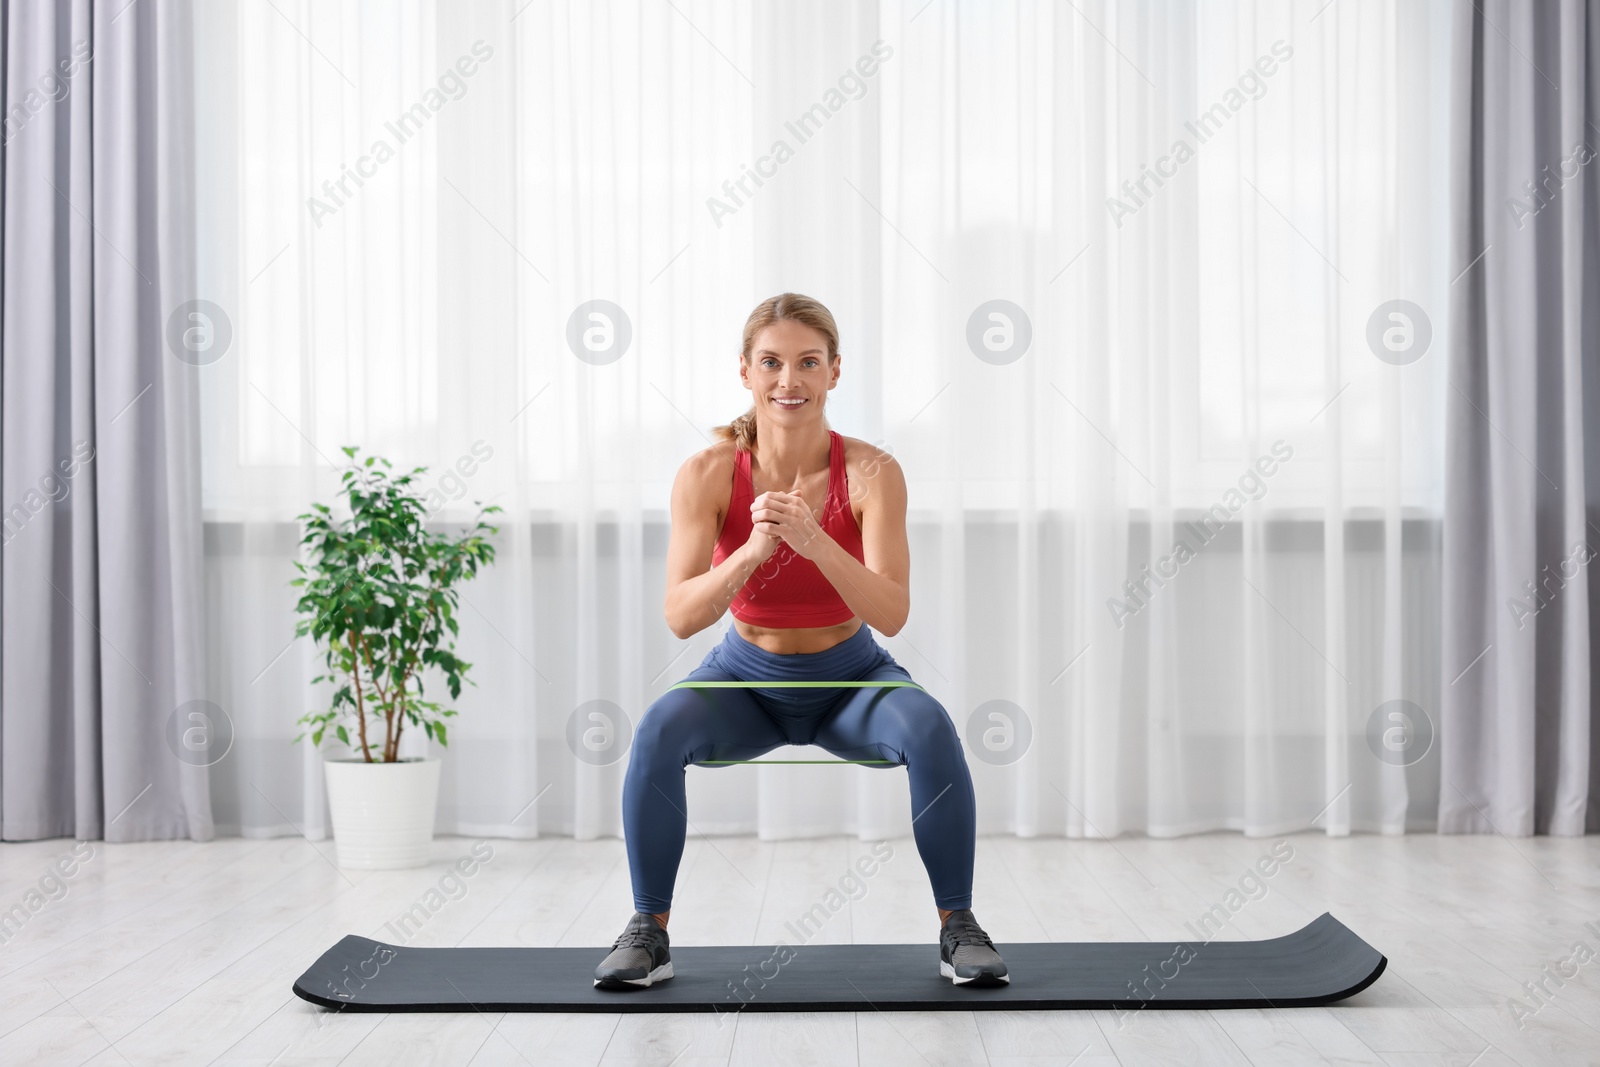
(803, 589)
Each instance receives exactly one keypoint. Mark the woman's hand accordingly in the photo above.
(763, 540)
(785, 517)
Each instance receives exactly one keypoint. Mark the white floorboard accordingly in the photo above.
(175, 952)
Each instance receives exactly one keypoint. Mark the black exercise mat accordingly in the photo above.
(1319, 964)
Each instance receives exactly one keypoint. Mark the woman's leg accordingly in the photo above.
(681, 727)
(910, 727)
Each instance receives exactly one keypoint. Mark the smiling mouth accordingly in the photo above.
(799, 402)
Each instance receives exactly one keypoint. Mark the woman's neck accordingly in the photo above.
(789, 453)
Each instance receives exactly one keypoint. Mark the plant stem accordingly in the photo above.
(361, 715)
(410, 662)
(385, 700)
(400, 720)
(395, 753)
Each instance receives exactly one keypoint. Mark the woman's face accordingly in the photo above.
(789, 360)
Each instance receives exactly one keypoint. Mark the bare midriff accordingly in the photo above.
(787, 641)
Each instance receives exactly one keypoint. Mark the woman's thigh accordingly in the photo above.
(873, 723)
(710, 724)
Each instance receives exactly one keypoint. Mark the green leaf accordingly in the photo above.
(378, 595)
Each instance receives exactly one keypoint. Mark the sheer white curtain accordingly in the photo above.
(406, 205)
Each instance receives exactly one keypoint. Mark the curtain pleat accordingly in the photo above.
(1519, 752)
(105, 725)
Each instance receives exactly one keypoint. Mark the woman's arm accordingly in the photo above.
(696, 596)
(878, 589)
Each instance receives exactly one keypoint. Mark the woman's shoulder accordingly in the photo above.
(717, 455)
(711, 470)
(704, 483)
(866, 459)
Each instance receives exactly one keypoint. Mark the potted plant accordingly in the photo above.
(379, 595)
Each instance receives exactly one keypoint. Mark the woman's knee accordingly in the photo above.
(922, 724)
(669, 727)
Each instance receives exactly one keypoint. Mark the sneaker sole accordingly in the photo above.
(660, 974)
(947, 971)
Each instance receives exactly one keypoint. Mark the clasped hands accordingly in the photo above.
(785, 517)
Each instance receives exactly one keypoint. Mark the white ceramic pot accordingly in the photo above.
(382, 812)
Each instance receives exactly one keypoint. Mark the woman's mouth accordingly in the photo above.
(789, 403)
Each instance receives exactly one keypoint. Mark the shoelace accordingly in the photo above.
(631, 938)
(968, 935)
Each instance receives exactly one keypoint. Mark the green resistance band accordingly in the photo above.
(794, 685)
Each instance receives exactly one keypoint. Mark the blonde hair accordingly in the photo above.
(802, 309)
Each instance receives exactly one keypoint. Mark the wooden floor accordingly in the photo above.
(184, 953)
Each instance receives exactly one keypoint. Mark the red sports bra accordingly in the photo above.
(787, 590)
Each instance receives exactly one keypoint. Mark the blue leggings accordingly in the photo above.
(906, 726)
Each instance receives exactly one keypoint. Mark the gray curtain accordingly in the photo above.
(1519, 743)
(99, 587)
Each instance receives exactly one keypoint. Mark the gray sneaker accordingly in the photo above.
(966, 955)
(639, 957)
